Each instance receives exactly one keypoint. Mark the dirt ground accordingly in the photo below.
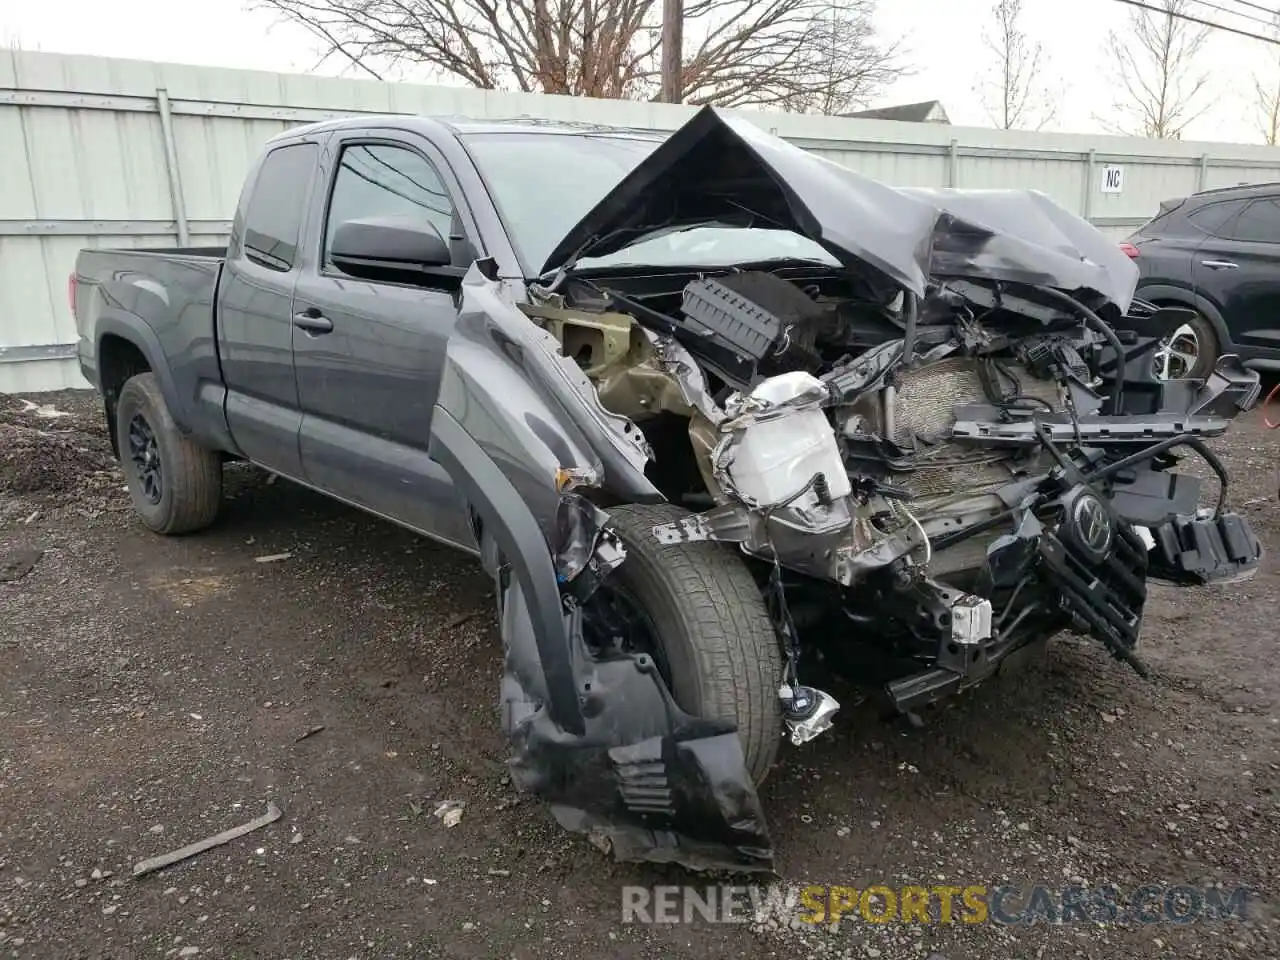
(154, 691)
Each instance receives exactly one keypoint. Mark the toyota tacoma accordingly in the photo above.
(700, 404)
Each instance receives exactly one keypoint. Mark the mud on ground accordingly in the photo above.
(153, 691)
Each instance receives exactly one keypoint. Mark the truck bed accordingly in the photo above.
(162, 287)
(158, 302)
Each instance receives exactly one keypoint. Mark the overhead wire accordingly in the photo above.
(1236, 13)
(1204, 23)
(1258, 6)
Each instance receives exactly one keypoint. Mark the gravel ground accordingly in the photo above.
(154, 691)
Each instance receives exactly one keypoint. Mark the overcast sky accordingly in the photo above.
(942, 39)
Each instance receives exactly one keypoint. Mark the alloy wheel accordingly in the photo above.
(1177, 354)
(144, 453)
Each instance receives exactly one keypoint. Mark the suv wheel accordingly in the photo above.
(1191, 351)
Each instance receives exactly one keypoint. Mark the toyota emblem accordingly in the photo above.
(1093, 524)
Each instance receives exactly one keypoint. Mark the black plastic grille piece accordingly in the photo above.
(1104, 598)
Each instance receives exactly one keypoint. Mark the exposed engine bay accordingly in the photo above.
(982, 467)
(928, 423)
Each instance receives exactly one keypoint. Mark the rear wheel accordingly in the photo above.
(1191, 351)
(697, 610)
(175, 484)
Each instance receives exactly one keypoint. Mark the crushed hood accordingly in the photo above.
(719, 168)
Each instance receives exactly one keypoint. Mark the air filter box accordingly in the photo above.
(757, 314)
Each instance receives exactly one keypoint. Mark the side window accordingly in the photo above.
(1213, 216)
(273, 216)
(1259, 223)
(379, 180)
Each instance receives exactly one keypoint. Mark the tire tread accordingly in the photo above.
(194, 472)
(734, 645)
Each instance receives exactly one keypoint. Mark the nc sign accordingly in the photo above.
(1112, 179)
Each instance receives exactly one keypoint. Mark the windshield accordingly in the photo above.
(544, 183)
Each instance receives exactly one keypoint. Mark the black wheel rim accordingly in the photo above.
(144, 453)
(614, 619)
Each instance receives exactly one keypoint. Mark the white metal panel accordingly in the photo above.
(54, 178)
(1061, 180)
(1145, 185)
(139, 77)
(121, 165)
(1223, 175)
(17, 190)
(28, 315)
(896, 169)
(214, 153)
(39, 376)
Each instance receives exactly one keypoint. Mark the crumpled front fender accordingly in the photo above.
(531, 409)
(601, 740)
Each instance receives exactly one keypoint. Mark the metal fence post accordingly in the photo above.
(171, 166)
(1086, 195)
(953, 163)
(1202, 176)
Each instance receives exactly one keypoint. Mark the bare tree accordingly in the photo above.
(1267, 107)
(847, 63)
(788, 54)
(1014, 92)
(1266, 89)
(1161, 85)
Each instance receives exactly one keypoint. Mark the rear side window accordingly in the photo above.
(1213, 216)
(1259, 223)
(380, 180)
(273, 217)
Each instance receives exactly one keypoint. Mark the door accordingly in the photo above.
(255, 309)
(1168, 243)
(1239, 270)
(369, 354)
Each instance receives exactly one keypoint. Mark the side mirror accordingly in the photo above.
(375, 247)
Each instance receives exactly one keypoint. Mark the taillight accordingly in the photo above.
(1129, 250)
(71, 292)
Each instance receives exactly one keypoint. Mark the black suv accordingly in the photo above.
(1217, 253)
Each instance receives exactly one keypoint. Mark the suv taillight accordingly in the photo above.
(71, 292)
(1129, 250)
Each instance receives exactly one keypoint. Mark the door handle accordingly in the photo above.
(313, 322)
(1219, 264)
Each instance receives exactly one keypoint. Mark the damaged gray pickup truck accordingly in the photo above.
(700, 404)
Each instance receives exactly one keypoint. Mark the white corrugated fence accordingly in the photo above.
(104, 152)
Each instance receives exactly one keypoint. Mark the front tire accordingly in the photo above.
(717, 649)
(175, 483)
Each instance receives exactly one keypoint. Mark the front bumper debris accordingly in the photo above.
(1100, 593)
(806, 712)
(670, 799)
(1200, 550)
(654, 782)
(1044, 580)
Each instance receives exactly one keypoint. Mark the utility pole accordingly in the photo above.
(672, 48)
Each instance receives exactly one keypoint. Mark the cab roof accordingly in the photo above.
(461, 126)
